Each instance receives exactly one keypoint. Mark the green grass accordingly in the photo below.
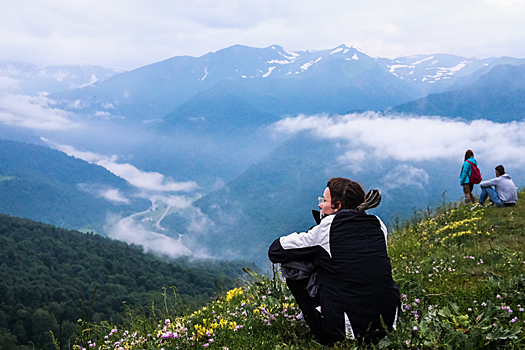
(461, 274)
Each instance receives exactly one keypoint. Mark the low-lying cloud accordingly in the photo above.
(414, 138)
(136, 177)
(114, 195)
(140, 228)
(35, 112)
(131, 232)
(110, 194)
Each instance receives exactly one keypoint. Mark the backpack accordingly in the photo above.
(475, 174)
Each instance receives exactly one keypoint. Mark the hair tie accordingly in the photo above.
(372, 200)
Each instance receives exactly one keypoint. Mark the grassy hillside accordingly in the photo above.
(461, 274)
(45, 271)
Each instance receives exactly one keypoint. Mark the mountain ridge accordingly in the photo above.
(156, 90)
(49, 186)
(33, 79)
(498, 95)
(45, 270)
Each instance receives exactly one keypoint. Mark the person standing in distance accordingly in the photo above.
(464, 177)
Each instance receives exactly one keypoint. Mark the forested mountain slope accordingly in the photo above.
(275, 197)
(42, 184)
(45, 270)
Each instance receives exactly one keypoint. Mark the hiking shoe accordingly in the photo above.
(476, 207)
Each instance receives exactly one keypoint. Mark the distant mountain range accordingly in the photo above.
(209, 119)
(30, 79)
(242, 86)
(499, 95)
(267, 83)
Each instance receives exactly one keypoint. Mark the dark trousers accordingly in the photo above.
(307, 304)
(314, 318)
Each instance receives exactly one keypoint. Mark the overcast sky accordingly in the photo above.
(127, 34)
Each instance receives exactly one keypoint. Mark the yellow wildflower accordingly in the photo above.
(233, 293)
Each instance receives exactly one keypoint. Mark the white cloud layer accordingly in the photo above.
(114, 195)
(7, 83)
(410, 138)
(128, 231)
(35, 112)
(141, 179)
(110, 194)
(128, 34)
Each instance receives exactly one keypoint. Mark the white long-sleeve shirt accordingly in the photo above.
(505, 188)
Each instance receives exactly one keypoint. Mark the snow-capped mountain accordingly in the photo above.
(267, 82)
(274, 79)
(29, 79)
(498, 95)
(427, 71)
(441, 72)
(274, 61)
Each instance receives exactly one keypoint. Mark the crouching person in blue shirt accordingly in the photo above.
(354, 275)
(501, 190)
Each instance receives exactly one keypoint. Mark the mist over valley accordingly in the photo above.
(218, 155)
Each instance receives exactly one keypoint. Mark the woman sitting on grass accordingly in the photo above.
(348, 250)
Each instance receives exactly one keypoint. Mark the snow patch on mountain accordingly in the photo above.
(445, 73)
(458, 67)
(292, 55)
(205, 73)
(366, 53)
(307, 65)
(279, 62)
(92, 81)
(423, 60)
(396, 66)
(269, 72)
(60, 75)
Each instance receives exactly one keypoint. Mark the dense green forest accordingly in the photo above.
(46, 270)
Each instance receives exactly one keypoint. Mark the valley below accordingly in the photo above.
(154, 187)
(140, 229)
